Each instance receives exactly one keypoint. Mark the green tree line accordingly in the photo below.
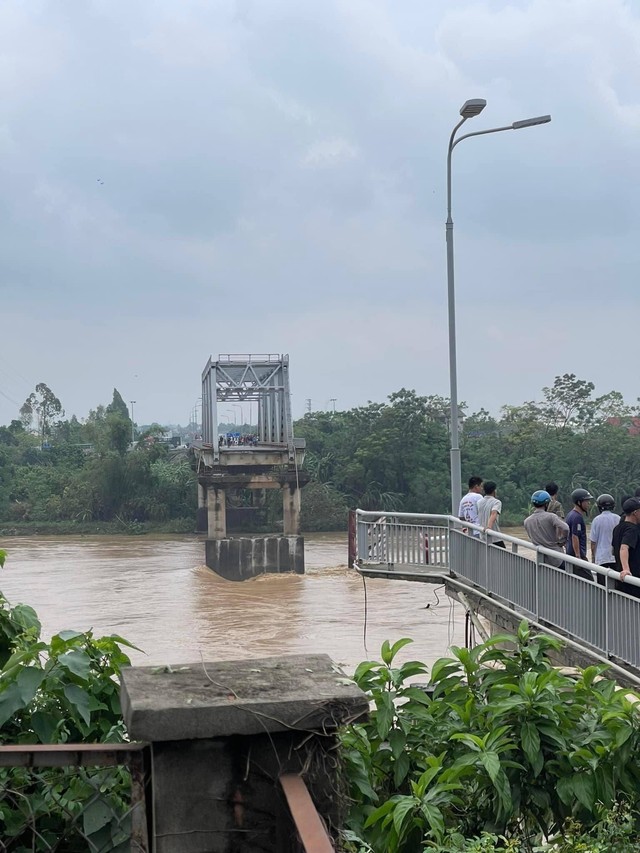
(55, 470)
(392, 455)
(395, 455)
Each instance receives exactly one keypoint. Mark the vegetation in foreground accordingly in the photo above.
(501, 752)
(63, 691)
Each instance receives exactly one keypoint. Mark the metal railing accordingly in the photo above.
(520, 577)
(74, 796)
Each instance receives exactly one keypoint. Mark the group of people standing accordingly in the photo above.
(614, 539)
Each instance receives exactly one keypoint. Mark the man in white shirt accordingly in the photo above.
(601, 534)
(489, 509)
(468, 510)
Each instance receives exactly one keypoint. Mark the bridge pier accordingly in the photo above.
(291, 509)
(216, 512)
(202, 521)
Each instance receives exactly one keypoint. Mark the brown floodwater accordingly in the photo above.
(157, 592)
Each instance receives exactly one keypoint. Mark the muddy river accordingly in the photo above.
(157, 592)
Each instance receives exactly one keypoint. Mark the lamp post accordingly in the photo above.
(133, 428)
(469, 109)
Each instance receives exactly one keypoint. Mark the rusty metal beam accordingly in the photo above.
(311, 829)
(69, 754)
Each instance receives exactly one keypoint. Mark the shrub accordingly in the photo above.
(501, 743)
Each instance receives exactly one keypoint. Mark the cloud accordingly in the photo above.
(328, 153)
(273, 179)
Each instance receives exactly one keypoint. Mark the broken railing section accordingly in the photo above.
(228, 740)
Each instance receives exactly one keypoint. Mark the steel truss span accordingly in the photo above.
(262, 378)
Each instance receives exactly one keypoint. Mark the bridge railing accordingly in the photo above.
(521, 577)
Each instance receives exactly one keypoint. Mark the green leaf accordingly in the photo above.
(77, 662)
(531, 747)
(69, 635)
(10, 702)
(380, 812)
(96, 815)
(44, 725)
(583, 788)
(3, 556)
(401, 768)
(402, 810)
(80, 701)
(399, 644)
(443, 668)
(397, 740)
(26, 618)
(434, 818)
(491, 763)
(385, 652)
(28, 681)
(564, 787)
(385, 712)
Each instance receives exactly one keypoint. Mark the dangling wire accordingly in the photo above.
(366, 609)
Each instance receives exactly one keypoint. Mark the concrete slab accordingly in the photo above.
(218, 699)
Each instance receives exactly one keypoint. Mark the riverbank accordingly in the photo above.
(91, 528)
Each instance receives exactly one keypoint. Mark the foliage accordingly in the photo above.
(390, 456)
(64, 691)
(87, 471)
(506, 745)
(394, 456)
(44, 404)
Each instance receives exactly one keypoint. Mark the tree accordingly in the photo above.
(44, 404)
(568, 402)
(118, 406)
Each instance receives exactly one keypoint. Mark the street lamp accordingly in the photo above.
(469, 109)
(133, 428)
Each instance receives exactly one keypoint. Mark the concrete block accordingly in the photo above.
(191, 804)
(241, 558)
(219, 699)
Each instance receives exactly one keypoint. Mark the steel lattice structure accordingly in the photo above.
(246, 378)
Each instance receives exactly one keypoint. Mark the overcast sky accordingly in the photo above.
(180, 178)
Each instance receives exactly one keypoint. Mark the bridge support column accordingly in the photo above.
(201, 516)
(291, 510)
(216, 512)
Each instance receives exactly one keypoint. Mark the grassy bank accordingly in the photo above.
(105, 528)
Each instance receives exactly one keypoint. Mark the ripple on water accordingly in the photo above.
(156, 592)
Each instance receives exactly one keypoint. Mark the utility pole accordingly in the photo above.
(333, 400)
(133, 428)
(309, 405)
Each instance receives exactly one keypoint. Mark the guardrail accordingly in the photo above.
(521, 577)
(59, 796)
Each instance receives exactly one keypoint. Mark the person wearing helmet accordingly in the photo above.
(601, 534)
(626, 546)
(546, 528)
(577, 539)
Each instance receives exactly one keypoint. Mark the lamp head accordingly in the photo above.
(531, 122)
(473, 107)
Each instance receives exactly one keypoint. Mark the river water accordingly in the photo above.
(157, 592)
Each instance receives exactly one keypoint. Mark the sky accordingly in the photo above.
(182, 178)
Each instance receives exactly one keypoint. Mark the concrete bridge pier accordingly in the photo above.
(291, 509)
(202, 521)
(216, 512)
